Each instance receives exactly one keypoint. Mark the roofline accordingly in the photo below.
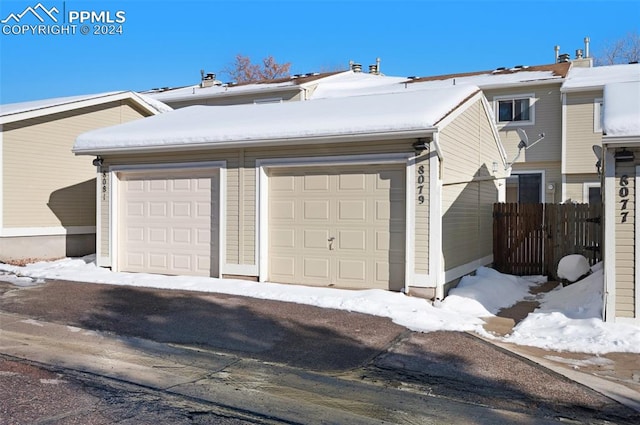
(621, 140)
(263, 89)
(506, 71)
(583, 88)
(299, 83)
(78, 104)
(360, 137)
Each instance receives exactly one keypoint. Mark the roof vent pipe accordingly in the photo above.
(557, 49)
(356, 67)
(587, 40)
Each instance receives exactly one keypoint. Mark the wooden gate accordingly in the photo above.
(530, 239)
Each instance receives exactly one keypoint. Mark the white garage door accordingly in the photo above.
(168, 223)
(342, 227)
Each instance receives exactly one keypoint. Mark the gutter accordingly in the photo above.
(252, 143)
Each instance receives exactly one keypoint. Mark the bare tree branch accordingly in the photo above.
(625, 50)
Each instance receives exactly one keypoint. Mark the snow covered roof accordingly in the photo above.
(580, 79)
(12, 112)
(406, 114)
(622, 109)
(295, 82)
(540, 74)
(503, 77)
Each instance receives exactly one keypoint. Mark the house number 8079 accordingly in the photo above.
(420, 186)
(624, 195)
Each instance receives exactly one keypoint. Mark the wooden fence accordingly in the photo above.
(530, 239)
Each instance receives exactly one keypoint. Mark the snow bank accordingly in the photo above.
(569, 319)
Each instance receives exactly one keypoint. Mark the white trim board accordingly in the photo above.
(262, 197)
(11, 232)
(219, 166)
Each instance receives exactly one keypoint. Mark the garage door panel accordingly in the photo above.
(315, 183)
(354, 240)
(282, 238)
(351, 210)
(168, 225)
(352, 270)
(282, 266)
(359, 207)
(315, 239)
(316, 268)
(316, 210)
(157, 186)
(135, 209)
(349, 182)
(282, 210)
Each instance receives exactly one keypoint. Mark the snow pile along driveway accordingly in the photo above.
(569, 319)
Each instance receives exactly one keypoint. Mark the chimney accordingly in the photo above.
(587, 40)
(208, 79)
(557, 49)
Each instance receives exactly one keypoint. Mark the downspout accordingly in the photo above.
(436, 265)
(563, 154)
(609, 237)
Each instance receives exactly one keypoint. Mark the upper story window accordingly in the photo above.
(598, 115)
(516, 109)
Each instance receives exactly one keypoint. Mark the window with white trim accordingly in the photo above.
(525, 188)
(591, 193)
(598, 115)
(517, 109)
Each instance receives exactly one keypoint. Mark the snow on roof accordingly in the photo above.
(597, 77)
(11, 111)
(483, 79)
(388, 114)
(15, 108)
(354, 84)
(295, 82)
(622, 109)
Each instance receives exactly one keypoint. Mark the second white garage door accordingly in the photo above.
(342, 227)
(168, 223)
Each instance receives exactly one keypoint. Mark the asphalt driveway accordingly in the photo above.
(365, 348)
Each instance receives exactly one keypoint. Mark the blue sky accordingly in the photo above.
(166, 43)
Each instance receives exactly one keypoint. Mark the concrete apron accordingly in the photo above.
(265, 389)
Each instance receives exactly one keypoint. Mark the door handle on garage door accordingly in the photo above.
(331, 239)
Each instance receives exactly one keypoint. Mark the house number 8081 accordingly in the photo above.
(624, 195)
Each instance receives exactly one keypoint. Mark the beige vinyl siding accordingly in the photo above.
(460, 224)
(625, 243)
(45, 185)
(241, 180)
(105, 225)
(469, 149)
(579, 157)
(421, 229)
(551, 174)
(285, 96)
(548, 120)
(575, 186)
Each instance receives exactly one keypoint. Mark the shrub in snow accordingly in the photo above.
(573, 267)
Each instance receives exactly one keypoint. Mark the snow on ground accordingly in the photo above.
(569, 318)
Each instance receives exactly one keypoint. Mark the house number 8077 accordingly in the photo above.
(624, 195)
